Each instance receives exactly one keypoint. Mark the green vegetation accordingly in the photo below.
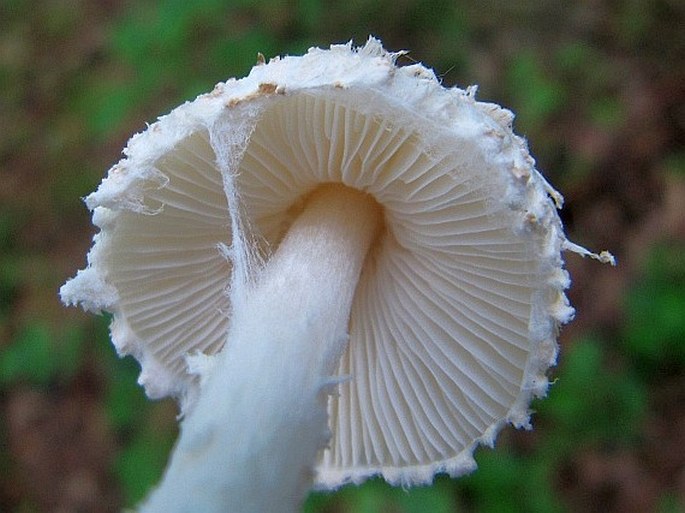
(53, 357)
(655, 329)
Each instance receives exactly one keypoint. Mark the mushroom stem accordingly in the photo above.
(251, 441)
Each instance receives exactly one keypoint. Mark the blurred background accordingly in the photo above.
(598, 89)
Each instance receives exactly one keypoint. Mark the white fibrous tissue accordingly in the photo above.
(453, 321)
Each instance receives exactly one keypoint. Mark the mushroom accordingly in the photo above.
(339, 268)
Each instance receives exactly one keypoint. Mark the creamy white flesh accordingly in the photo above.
(261, 417)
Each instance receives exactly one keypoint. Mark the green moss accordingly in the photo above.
(139, 465)
(39, 356)
(593, 404)
(607, 112)
(655, 327)
(536, 91)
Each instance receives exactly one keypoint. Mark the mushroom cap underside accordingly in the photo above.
(455, 317)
